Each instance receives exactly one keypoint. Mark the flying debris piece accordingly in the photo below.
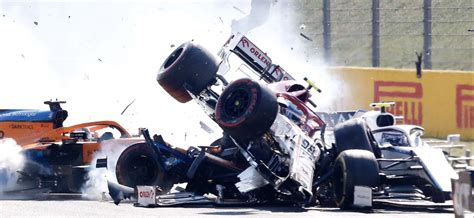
(469, 30)
(240, 10)
(36, 23)
(23, 56)
(99, 59)
(302, 26)
(205, 127)
(172, 46)
(220, 18)
(306, 37)
(127, 107)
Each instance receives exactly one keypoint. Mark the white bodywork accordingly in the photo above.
(403, 142)
(303, 150)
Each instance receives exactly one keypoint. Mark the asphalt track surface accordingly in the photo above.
(88, 208)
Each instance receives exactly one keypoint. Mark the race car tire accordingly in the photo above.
(355, 134)
(353, 168)
(138, 165)
(189, 67)
(246, 109)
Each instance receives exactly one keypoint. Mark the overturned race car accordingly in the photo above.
(274, 147)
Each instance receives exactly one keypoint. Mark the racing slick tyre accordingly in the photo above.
(353, 168)
(355, 134)
(246, 109)
(138, 165)
(189, 67)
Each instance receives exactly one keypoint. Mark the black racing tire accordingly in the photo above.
(138, 165)
(355, 134)
(353, 168)
(246, 109)
(189, 67)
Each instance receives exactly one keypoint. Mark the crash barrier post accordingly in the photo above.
(440, 101)
(377, 43)
(462, 194)
(467, 153)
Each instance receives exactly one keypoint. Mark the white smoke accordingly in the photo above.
(258, 15)
(96, 184)
(11, 160)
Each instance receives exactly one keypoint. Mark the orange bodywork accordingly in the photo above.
(24, 138)
(28, 130)
(39, 136)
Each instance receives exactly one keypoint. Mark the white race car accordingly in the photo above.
(410, 168)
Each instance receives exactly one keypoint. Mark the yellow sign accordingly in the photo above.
(441, 101)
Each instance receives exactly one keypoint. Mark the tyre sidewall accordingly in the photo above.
(161, 178)
(189, 67)
(355, 168)
(258, 117)
(352, 134)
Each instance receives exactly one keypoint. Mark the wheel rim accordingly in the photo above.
(173, 57)
(142, 170)
(237, 103)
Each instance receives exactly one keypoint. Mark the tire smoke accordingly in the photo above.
(96, 182)
(11, 160)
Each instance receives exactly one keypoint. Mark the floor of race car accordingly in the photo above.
(70, 206)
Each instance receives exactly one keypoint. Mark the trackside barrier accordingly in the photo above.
(462, 194)
(441, 101)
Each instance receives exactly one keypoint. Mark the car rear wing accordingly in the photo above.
(333, 118)
(258, 60)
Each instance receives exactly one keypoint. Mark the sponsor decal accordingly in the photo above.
(255, 53)
(332, 119)
(20, 114)
(407, 97)
(261, 60)
(465, 106)
(362, 196)
(21, 126)
(146, 195)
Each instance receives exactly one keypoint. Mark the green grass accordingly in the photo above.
(468, 146)
(401, 30)
(461, 151)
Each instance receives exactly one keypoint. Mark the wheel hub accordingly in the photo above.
(237, 103)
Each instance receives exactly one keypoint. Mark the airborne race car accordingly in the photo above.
(273, 147)
(57, 158)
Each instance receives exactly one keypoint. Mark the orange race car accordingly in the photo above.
(57, 158)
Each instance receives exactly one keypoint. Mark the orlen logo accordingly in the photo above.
(146, 194)
(407, 97)
(465, 106)
(258, 55)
